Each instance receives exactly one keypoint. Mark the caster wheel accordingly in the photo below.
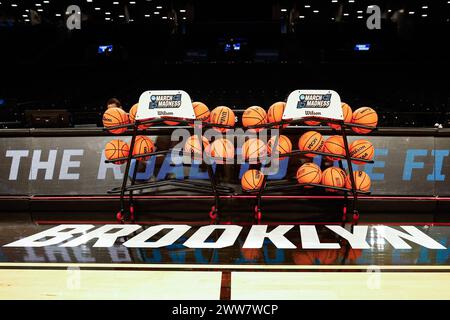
(132, 213)
(213, 213)
(344, 214)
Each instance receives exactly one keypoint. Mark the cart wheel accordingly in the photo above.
(213, 213)
(132, 212)
(355, 216)
(258, 214)
(344, 214)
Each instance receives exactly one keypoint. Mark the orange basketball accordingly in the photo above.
(335, 145)
(310, 141)
(361, 149)
(194, 147)
(253, 149)
(252, 180)
(309, 173)
(222, 149)
(364, 116)
(132, 116)
(362, 181)
(115, 149)
(254, 116)
(222, 115)
(275, 113)
(143, 145)
(201, 111)
(347, 112)
(334, 177)
(115, 117)
(304, 257)
(284, 145)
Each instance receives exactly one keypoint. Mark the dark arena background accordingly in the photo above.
(90, 83)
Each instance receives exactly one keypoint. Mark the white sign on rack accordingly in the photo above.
(165, 103)
(313, 103)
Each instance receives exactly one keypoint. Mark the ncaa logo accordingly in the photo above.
(302, 102)
(153, 104)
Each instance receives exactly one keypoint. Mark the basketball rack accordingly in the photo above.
(350, 194)
(127, 188)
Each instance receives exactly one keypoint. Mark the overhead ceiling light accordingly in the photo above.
(351, 1)
(132, 2)
(182, 10)
(389, 10)
(97, 9)
(346, 14)
(25, 15)
(360, 17)
(108, 13)
(164, 17)
(359, 11)
(107, 18)
(13, 5)
(27, 20)
(58, 14)
(334, 1)
(307, 6)
(156, 12)
(184, 18)
(316, 11)
(40, 10)
(121, 16)
(46, 2)
(147, 16)
(424, 15)
(424, 7)
(89, 0)
(302, 17)
(116, 2)
(411, 12)
(38, 4)
(283, 10)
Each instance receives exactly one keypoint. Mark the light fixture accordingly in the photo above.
(184, 18)
(411, 12)
(346, 14)
(116, 2)
(302, 17)
(107, 18)
(424, 15)
(182, 10)
(158, 7)
(38, 4)
(97, 9)
(58, 14)
(147, 16)
(156, 12)
(307, 6)
(121, 16)
(13, 5)
(351, 1)
(316, 11)
(360, 17)
(283, 10)
(424, 7)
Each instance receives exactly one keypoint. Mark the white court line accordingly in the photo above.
(339, 285)
(222, 267)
